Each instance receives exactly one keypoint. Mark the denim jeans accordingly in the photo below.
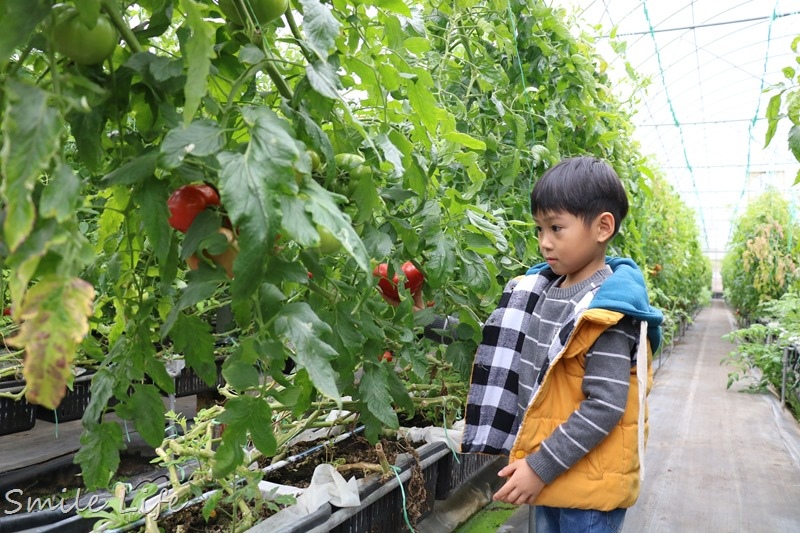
(558, 520)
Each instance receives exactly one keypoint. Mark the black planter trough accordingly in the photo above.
(15, 415)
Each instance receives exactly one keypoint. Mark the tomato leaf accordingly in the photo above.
(146, 409)
(399, 392)
(31, 130)
(374, 392)
(441, 261)
(250, 187)
(54, 315)
(192, 336)
(474, 272)
(60, 196)
(773, 110)
(296, 222)
(149, 195)
(461, 354)
(377, 242)
(101, 390)
(18, 19)
(99, 454)
(465, 140)
(200, 138)
(199, 53)
(202, 284)
(134, 170)
(323, 78)
(794, 141)
(241, 414)
(397, 6)
(325, 212)
(391, 153)
(300, 325)
(87, 130)
(88, 10)
(320, 27)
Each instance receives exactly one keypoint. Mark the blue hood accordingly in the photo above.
(625, 292)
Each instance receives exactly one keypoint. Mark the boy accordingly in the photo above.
(560, 378)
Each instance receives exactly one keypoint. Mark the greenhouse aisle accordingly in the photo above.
(717, 460)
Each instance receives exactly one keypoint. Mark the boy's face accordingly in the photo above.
(571, 246)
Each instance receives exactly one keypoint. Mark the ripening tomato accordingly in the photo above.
(7, 311)
(186, 202)
(225, 259)
(387, 356)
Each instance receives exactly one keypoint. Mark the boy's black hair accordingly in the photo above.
(582, 186)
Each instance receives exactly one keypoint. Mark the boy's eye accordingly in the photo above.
(537, 230)
(556, 229)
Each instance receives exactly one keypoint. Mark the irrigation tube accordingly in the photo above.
(306, 453)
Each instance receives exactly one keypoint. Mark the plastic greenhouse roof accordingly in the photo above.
(703, 114)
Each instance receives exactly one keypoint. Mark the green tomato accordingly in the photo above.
(361, 171)
(347, 161)
(84, 46)
(328, 243)
(315, 160)
(264, 10)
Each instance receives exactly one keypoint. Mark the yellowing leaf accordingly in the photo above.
(54, 316)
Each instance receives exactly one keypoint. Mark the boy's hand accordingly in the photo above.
(523, 485)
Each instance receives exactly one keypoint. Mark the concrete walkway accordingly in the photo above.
(718, 460)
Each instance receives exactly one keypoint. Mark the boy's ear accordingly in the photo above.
(605, 226)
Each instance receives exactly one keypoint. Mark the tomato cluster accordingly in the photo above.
(414, 280)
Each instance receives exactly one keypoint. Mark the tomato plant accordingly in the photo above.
(82, 43)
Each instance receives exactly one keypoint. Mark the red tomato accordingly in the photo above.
(387, 356)
(7, 311)
(414, 279)
(210, 193)
(186, 202)
(387, 287)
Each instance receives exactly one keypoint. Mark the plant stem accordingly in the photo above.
(278, 80)
(370, 467)
(110, 9)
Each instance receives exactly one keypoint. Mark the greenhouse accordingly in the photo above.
(399, 265)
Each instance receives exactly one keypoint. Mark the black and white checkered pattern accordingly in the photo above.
(491, 415)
